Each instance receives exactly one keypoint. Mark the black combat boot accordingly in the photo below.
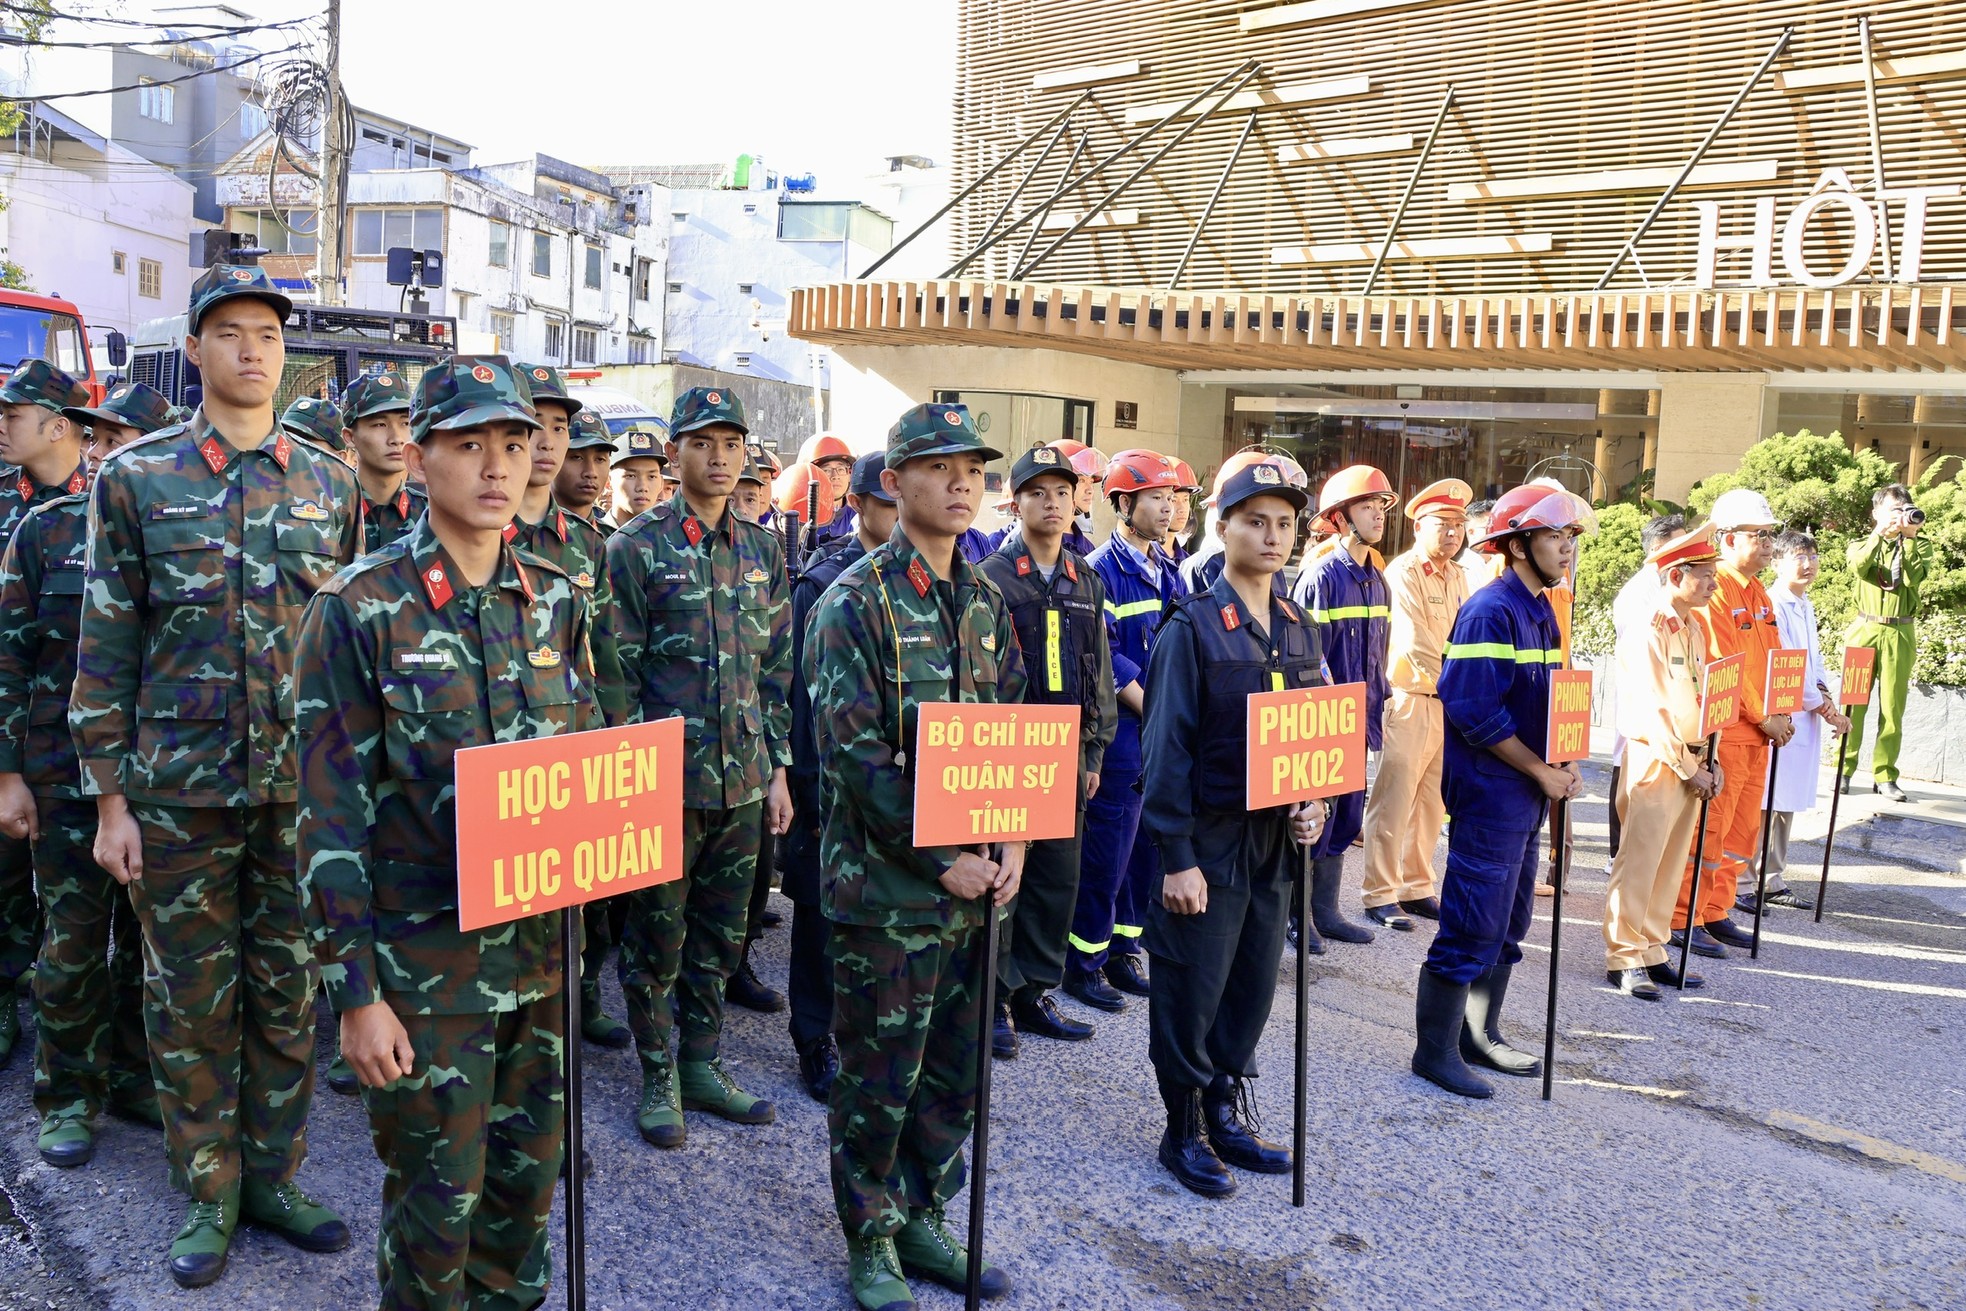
(1482, 1042)
(1439, 1011)
(1184, 1148)
(1229, 1112)
(1326, 871)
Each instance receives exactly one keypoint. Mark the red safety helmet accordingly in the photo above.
(1529, 507)
(1138, 470)
(1185, 473)
(1357, 482)
(1086, 461)
(824, 446)
(789, 496)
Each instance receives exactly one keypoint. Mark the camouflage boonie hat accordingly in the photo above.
(373, 394)
(589, 432)
(34, 381)
(130, 404)
(470, 389)
(1037, 462)
(224, 281)
(546, 384)
(316, 420)
(639, 444)
(700, 407)
(935, 429)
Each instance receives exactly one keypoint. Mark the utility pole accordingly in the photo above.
(333, 151)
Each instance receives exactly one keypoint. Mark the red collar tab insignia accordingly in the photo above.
(693, 529)
(918, 576)
(25, 486)
(403, 503)
(437, 586)
(525, 583)
(1071, 570)
(1231, 618)
(1289, 610)
(77, 481)
(308, 511)
(1670, 623)
(283, 450)
(560, 523)
(510, 530)
(1023, 565)
(544, 658)
(214, 455)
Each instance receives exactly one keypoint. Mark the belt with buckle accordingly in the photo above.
(1887, 619)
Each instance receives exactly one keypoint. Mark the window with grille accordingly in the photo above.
(586, 345)
(555, 340)
(150, 278)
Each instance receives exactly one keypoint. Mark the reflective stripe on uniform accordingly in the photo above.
(1126, 930)
(1501, 651)
(1131, 608)
(1053, 666)
(1080, 944)
(1351, 612)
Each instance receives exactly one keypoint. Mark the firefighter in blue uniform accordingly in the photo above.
(1217, 926)
(1494, 695)
(1346, 594)
(1117, 868)
(1057, 605)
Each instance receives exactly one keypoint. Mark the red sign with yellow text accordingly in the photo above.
(554, 822)
(1859, 668)
(1305, 742)
(987, 773)
(1720, 698)
(1788, 668)
(1570, 716)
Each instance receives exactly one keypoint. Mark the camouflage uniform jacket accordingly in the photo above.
(19, 493)
(40, 618)
(703, 620)
(382, 522)
(580, 550)
(401, 665)
(887, 636)
(201, 558)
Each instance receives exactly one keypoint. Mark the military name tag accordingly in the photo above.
(423, 660)
(181, 510)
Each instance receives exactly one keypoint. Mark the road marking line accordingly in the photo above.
(1930, 955)
(1721, 1001)
(1877, 1149)
(1886, 919)
(1914, 989)
(1621, 1037)
(1669, 1094)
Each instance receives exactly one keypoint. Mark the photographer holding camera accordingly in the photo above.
(1888, 567)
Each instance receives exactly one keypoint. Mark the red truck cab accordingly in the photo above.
(51, 328)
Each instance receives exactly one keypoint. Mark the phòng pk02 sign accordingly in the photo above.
(1305, 743)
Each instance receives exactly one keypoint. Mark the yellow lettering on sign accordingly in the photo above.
(1053, 665)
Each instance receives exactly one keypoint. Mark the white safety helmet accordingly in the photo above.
(1742, 507)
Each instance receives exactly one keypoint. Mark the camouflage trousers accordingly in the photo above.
(471, 1148)
(229, 984)
(20, 912)
(88, 983)
(908, 1020)
(602, 924)
(685, 937)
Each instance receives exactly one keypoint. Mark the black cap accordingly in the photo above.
(1260, 479)
(867, 476)
(1036, 463)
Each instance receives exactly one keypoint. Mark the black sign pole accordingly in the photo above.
(1561, 815)
(980, 1154)
(1298, 1130)
(1761, 871)
(1829, 838)
(570, 1047)
(1699, 854)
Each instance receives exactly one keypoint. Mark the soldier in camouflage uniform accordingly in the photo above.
(375, 420)
(446, 638)
(205, 541)
(910, 622)
(90, 1050)
(314, 420)
(702, 620)
(637, 474)
(583, 479)
(45, 452)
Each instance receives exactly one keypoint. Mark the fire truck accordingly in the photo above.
(51, 328)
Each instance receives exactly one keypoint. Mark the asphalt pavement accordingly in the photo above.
(1791, 1136)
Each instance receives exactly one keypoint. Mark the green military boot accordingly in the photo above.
(9, 1023)
(707, 1086)
(596, 1025)
(66, 1140)
(341, 1075)
(927, 1247)
(660, 1117)
(292, 1214)
(198, 1252)
(874, 1270)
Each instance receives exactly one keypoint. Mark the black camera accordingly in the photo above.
(1914, 515)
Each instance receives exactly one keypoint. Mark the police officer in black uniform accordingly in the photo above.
(1217, 929)
(1057, 605)
(809, 975)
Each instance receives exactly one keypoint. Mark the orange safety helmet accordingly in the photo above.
(1086, 461)
(789, 495)
(1185, 474)
(1137, 470)
(1529, 507)
(824, 446)
(1293, 472)
(1356, 482)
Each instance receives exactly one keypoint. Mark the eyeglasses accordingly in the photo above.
(1759, 534)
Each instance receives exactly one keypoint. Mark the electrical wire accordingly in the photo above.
(187, 25)
(169, 81)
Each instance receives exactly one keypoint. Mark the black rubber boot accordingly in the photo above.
(1229, 1113)
(1482, 1042)
(1439, 1011)
(1184, 1148)
(1326, 871)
